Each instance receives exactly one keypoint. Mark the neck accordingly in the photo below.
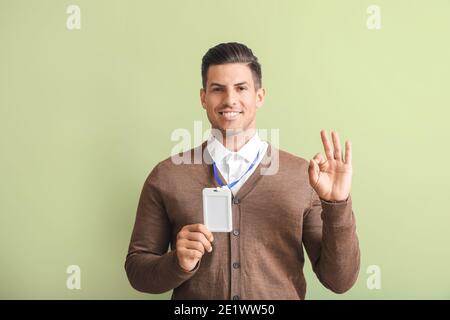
(234, 141)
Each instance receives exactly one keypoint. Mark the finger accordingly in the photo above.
(319, 159)
(313, 171)
(317, 156)
(194, 245)
(200, 237)
(192, 253)
(348, 152)
(196, 254)
(189, 253)
(199, 227)
(337, 145)
(326, 145)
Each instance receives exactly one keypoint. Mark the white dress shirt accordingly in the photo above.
(233, 165)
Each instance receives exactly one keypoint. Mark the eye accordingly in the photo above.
(217, 89)
(242, 88)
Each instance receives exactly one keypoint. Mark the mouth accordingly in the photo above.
(230, 115)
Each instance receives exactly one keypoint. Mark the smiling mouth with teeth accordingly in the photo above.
(230, 113)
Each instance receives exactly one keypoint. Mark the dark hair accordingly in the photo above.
(231, 52)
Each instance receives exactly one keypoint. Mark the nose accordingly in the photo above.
(230, 99)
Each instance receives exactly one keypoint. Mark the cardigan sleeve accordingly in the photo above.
(149, 266)
(331, 242)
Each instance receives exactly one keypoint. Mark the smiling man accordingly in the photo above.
(303, 205)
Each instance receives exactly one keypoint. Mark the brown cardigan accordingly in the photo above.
(274, 216)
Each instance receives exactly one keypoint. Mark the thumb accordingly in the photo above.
(313, 171)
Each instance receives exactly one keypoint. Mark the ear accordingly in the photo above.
(260, 95)
(202, 97)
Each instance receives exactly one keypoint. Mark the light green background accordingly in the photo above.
(86, 114)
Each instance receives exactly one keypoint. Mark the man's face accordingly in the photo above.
(230, 98)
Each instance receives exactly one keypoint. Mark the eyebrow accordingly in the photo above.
(221, 85)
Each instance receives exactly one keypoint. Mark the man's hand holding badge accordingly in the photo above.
(192, 242)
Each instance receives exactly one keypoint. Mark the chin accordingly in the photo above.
(230, 131)
(229, 125)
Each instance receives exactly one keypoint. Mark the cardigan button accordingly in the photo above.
(236, 297)
(236, 201)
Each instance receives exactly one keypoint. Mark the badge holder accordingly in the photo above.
(217, 213)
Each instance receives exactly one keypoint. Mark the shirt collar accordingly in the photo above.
(248, 151)
(251, 148)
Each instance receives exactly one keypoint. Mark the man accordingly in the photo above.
(303, 204)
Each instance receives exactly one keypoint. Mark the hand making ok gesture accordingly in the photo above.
(331, 178)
